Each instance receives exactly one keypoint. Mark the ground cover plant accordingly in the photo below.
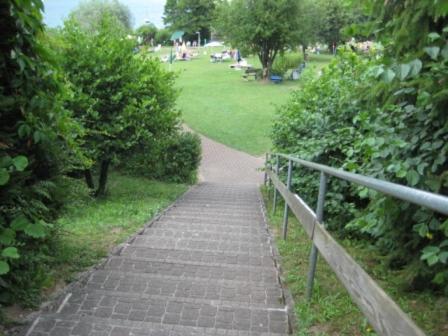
(331, 310)
(90, 228)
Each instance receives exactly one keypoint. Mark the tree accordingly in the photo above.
(121, 99)
(333, 16)
(147, 32)
(37, 140)
(262, 27)
(163, 36)
(190, 16)
(90, 12)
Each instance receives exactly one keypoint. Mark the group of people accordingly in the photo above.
(232, 54)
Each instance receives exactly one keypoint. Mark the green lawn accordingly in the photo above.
(217, 102)
(89, 228)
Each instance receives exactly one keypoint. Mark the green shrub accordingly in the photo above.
(285, 62)
(122, 100)
(385, 121)
(175, 159)
(38, 144)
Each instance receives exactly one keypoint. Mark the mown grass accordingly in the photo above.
(89, 227)
(331, 310)
(217, 102)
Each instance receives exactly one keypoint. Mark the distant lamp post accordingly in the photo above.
(199, 38)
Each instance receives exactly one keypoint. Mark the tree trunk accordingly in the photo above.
(103, 178)
(89, 179)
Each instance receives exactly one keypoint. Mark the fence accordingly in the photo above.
(382, 312)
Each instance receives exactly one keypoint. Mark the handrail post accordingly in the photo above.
(266, 160)
(277, 170)
(285, 212)
(314, 251)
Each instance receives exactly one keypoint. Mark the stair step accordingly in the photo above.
(201, 235)
(209, 227)
(72, 324)
(188, 288)
(203, 245)
(237, 212)
(197, 270)
(230, 258)
(213, 220)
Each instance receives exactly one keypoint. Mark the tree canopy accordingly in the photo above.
(190, 16)
(262, 27)
(90, 12)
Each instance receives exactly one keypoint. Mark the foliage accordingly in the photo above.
(383, 117)
(90, 12)
(163, 37)
(333, 17)
(122, 99)
(245, 25)
(38, 141)
(190, 16)
(285, 62)
(88, 228)
(147, 32)
(175, 159)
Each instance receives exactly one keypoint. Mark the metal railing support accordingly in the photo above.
(266, 160)
(314, 251)
(285, 211)
(277, 170)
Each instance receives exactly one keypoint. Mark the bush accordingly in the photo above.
(175, 159)
(38, 144)
(388, 122)
(285, 62)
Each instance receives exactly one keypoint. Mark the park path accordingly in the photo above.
(206, 266)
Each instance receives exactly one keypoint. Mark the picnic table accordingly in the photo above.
(252, 72)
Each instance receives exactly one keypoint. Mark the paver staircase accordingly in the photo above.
(205, 267)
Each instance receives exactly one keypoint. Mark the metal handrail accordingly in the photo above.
(382, 312)
(427, 199)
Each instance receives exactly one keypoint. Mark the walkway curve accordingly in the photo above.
(206, 266)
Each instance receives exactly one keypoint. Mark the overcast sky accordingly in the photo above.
(57, 10)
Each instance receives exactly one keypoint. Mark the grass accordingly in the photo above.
(331, 311)
(217, 102)
(89, 228)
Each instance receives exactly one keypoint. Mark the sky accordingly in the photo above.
(57, 10)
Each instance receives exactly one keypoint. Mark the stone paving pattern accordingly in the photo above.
(205, 267)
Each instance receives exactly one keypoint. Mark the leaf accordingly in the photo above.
(404, 70)
(443, 257)
(10, 252)
(35, 230)
(416, 66)
(4, 176)
(7, 236)
(433, 36)
(433, 52)
(432, 260)
(20, 162)
(4, 267)
(412, 177)
(444, 52)
(388, 76)
(19, 223)
(5, 161)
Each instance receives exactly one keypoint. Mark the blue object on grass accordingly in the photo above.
(276, 79)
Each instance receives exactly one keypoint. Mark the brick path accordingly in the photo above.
(205, 267)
